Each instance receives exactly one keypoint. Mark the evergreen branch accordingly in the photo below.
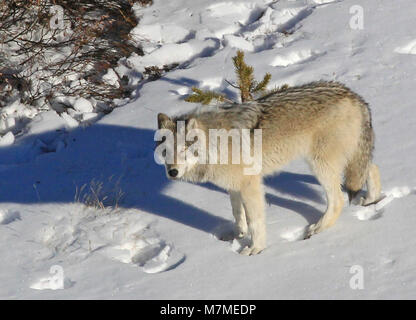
(261, 86)
(205, 96)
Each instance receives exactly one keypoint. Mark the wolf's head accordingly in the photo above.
(178, 164)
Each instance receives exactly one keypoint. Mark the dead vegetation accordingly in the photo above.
(55, 48)
(100, 195)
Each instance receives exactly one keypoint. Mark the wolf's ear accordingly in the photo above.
(163, 120)
(192, 124)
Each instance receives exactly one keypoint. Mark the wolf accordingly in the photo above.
(323, 122)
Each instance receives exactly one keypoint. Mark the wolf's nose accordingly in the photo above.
(173, 173)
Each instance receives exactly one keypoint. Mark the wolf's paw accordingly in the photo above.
(365, 202)
(311, 230)
(373, 210)
(228, 232)
(240, 234)
(250, 251)
(227, 235)
(231, 235)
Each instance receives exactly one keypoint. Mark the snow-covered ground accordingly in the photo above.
(160, 242)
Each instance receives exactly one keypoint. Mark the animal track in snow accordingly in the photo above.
(295, 234)
(244, 12)
(151, 255)
(212, 83)
(120, 236)
(371, 212)
(368, 213)
(52, 283)
(239, 244)
(7, 216)
(409, 48)
(182, 91)
(293, 57)
(375, 211)
(324, 1)
(279, 17)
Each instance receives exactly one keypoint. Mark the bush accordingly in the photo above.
(44, 56)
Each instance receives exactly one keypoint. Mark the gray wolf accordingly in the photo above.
(324, 122)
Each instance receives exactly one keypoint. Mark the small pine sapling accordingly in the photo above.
(246, 83)
(248, 86)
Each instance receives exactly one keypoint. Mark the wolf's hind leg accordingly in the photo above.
(373, 185)
(240, 227)
(239, 214)
(252, 196)
(330, 179)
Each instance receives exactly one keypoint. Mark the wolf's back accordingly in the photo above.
(308, 106)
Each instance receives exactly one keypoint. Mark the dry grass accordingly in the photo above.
(98, 195)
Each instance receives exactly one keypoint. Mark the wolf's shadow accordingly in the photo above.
(50, 167)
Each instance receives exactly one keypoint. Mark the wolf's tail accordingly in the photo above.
(360, 168)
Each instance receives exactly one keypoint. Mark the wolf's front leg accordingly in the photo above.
(240, 227)
(252, 196)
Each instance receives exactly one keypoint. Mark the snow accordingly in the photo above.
(51, 282)
(238, 42)
(173, 53)
(83, 105)
(7, 139)
(165, 33)
(70, 122)
(160, 240)
(111, 78)
(409, 48)
(7, 217)
(293, 57)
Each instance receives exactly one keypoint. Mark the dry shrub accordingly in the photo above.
(42, 58)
